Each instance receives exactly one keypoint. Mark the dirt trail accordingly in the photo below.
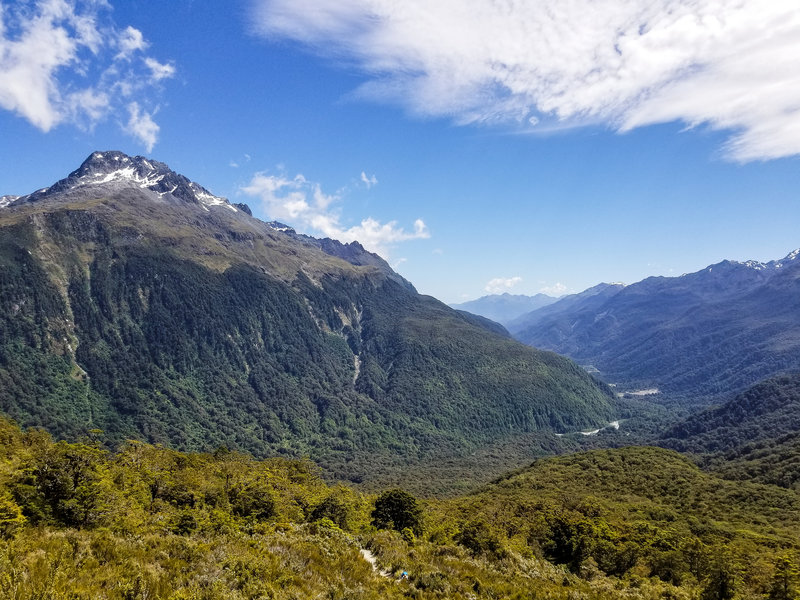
(370, 558)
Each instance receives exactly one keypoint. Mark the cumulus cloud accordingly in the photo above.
(129, 41)
(727, 64)
(500, 284)
(304, 205)
(65, 61)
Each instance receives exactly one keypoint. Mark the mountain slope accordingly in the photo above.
(698, 337)
(584, 301)
(134, 301)
(637, 511)
(767, 410)
(504, 308)
(754, 436)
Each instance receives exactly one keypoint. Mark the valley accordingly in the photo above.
(324, 300)
(200, 404)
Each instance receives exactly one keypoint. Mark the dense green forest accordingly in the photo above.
(79, 522)
(753, 436)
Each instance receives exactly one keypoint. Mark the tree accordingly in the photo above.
(397, 509)
(784, 580)
(479, 539)
(332, 508)
(11, 515)
(721, 582)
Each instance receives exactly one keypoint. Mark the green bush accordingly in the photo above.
(397, 509)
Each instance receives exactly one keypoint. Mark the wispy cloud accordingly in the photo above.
(304, 205)
(65, 61)
(141, 125)
(159, 71)
(235, 164)
(727, 64)
(557, 289)
(368, 181)
(500, 284)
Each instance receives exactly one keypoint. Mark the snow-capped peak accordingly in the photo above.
(116, 170)
(788, 258)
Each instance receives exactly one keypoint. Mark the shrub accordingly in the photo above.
(397, 509)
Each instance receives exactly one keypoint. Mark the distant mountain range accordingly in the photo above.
(504, 308)
(135, 301)
(699, 337)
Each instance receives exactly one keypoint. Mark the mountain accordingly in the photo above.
(586, 300)
(134, 301)
(768, 410)
(504, 308)
(697, 338)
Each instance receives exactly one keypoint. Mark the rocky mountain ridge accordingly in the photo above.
(699, 337)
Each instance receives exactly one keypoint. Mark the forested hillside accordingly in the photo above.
(754, 436)
(148, 308)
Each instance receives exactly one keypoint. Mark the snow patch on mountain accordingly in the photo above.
(6, 200)
(277, 226)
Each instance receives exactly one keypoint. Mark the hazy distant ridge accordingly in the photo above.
(504, 308)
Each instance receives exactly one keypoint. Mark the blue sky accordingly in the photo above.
(477, 145)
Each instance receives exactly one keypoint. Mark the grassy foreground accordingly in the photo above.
(145, 522)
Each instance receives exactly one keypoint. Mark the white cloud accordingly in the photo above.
(557, 289)
(727, 64)
(65, 61)
(159, 70)
(369, 181)
(129, 41)
(500, 285)
(304, 205)
(141, 126)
